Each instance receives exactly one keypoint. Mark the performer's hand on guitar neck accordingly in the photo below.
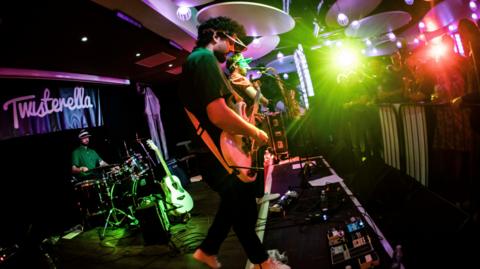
(261, 138)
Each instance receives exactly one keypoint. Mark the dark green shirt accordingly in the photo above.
(85, 156)
(203, 82)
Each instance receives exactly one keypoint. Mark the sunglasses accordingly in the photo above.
(238, 45)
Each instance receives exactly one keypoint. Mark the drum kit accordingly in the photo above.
(114, 191)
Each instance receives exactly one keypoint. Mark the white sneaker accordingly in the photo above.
(271, 264)
(267, 197)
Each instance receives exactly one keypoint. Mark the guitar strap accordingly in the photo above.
(208, 141)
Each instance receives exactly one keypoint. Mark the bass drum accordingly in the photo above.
(92, 196)
(128, 194)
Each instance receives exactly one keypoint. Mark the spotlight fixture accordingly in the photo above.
(342, 19)
(184, 13)
(84, 39)
(473, 5)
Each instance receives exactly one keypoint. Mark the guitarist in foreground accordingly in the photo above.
(204, 90)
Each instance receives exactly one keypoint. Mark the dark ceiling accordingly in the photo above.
(46, 35)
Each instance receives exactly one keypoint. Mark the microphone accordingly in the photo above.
(261, 68)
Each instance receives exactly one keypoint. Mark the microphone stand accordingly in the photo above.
(150, 159)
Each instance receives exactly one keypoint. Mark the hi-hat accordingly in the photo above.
(258, 19)
(354, 9)
(102, 168)
(261, 47)
(378, 24)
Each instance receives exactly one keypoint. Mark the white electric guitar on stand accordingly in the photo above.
(178, 201)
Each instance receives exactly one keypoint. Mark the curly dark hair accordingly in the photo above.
(222, 24)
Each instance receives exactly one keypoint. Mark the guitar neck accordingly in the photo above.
(162, 161)
(255, 105)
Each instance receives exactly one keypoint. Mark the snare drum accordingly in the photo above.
(92, 196)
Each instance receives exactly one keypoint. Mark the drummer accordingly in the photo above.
(84, 158)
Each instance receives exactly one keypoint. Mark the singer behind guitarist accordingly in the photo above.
(203, 90)
(237, 66)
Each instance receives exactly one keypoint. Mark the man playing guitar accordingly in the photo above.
(203, 91)
(238, 66)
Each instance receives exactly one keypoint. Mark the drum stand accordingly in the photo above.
(118, 215)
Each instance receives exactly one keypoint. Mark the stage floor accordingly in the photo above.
(303, 243)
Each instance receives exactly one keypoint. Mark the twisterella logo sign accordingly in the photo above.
(53, 110)
(27, 106)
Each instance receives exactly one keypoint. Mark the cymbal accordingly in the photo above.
(102, 168)
(354, 9)
(378, 24)
(258, 19)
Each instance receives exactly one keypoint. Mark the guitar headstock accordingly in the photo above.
(151, 144)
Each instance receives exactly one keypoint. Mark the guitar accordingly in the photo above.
(178, 200)
(238, 150)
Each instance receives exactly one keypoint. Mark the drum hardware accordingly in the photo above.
(116, 214)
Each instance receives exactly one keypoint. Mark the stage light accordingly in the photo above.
(138, 54)
(355, 24)
(421, 26)
(474, 16)
(437, 51)
(416, 41)
(399, 44)
(459, 45)
(342, 19)
(391, 36)
(285, 76)
(473, 5)
(452, 28)
(345, 58)
(184, 13)
(84, 39)
(409, 2)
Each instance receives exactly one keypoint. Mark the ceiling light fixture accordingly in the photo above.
(184, 13)
(472, 5)
(342, 19)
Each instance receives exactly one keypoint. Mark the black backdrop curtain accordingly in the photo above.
(35, 184)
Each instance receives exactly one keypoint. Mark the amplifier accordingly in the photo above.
(154, 223)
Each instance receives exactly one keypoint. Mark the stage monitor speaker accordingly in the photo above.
(154, 223)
